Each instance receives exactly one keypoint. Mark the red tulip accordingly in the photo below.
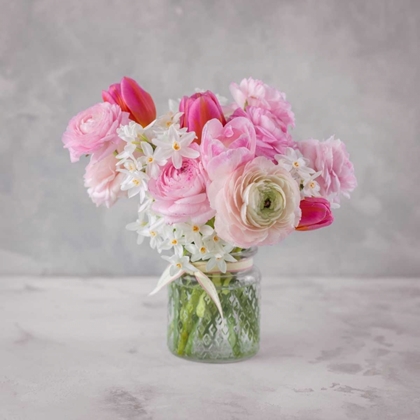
(316, 213)
(198, 109)
(132, 99)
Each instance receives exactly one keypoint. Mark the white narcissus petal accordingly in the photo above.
(187, 139)
(210, 288)
(211, 264)
(162, 153)
(229, 258)
(206, 230)
(177, 160)
(147, 149)
(190, 153)
(222, 266)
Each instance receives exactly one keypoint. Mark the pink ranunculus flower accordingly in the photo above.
(198, 109)
(272, 135)
(257, 204)
(331, 159)
(224, 148)
(132, 98)
(251, 92)
(316, 213)
(94, 131)
(103, 181)
(180, 194)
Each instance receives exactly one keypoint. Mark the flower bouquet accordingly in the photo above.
(213, 180)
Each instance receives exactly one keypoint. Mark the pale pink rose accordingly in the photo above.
(103, 181)
(257, 204)
(331, 158)
(251, 92)
(224, 148)
(272, 135)
(94, 131)
(180, 194)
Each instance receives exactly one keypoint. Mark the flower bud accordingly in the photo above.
(132, 99)
(316, 213)
(198, 109)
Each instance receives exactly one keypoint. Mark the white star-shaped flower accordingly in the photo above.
(135, 182)
(175, 144)
(294, 162)
(194, 232)
(149, 160)
(179, 264)
(219, 259)
(133, 134)
(175, 239)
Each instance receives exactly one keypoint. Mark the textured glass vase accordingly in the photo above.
(196, 331)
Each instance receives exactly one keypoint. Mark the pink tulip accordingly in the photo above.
(198, 109)
(316, 213)
(132, 99)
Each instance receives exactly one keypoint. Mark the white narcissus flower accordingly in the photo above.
(163, 123)
(295, 163)
(151, 229)
(133, 134)
(179, 264)
(310, 187)
(149, 161)
(174, 144)
(174, 239)
(135, 183)
(219, 259)
(193, 232)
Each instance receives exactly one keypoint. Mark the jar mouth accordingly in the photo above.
(242, 264)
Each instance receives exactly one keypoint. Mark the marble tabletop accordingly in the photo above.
(94, 349)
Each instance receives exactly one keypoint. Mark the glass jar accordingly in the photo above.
(196, 330)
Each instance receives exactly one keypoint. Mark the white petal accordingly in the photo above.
(206, 230)
(147, 148)
(177, 160)
(190, 153)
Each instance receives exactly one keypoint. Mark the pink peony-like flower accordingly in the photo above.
(180, 194)
(132, 99)
(94, 131)
(223, 149)
(272, 135)
(198, 109)
(330, 157)
(257, 204)
(103, 181)
(316, 213)
(252, 92)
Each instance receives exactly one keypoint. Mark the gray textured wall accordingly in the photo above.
(349, 68)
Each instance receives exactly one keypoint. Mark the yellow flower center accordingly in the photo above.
(178, 265)
(174, 242)
(203, 250)
(152, 233)
(136, 182)
(216, 238)
(176, 146)
(312, 184)
(296, 164)
(195, 228)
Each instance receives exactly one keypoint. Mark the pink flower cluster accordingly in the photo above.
(239, 172)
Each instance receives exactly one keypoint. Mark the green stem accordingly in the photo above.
(187, 313)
